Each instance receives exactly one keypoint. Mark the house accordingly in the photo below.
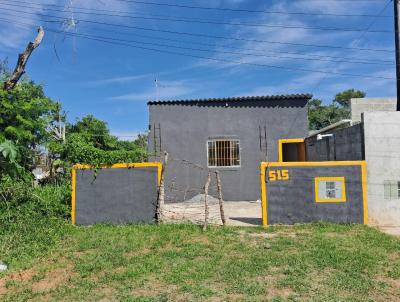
(371, 136)
(231, 135)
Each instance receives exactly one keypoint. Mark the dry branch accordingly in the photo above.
(220, 200)
(22, 60)
(206, 209)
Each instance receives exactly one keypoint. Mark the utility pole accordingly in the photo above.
(397, 41)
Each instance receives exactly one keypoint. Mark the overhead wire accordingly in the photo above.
(126, 14)
(234, 53)
(215, 22)
(241, 10)
(104, 40)
(199, 34)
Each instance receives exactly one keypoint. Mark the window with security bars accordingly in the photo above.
(392, 189)
(330, 189)
(223, 153)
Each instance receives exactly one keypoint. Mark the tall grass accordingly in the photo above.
(32, 220)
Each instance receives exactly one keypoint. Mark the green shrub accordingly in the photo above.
(77, 150)
(32, 220)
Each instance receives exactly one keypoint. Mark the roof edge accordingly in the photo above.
(303, 96)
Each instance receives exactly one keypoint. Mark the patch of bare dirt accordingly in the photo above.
(21, 276)
(154, 287)
(139, 252)
(53, 279)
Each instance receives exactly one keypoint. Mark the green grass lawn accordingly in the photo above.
(317, 262)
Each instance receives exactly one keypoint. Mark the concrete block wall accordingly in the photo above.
(360, 105)
(382, 154)
(344, 144)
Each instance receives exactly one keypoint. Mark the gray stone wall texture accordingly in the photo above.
(344, 144)
(293, 201)
(185, 128)
(116, 195)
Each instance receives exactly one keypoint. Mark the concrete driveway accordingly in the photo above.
(240, 213)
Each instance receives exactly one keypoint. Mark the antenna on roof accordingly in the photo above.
(156, 83)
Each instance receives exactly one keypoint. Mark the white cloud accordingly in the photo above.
(122, 79)
(166, 90)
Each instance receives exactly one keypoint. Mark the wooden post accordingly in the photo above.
(206, 209)
(220, 200)
(161, 190)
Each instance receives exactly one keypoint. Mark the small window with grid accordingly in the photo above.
(223, 153)
(330, 189)
(391, 189)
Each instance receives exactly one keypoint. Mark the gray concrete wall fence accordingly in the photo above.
(382, 153)
(344, 144)
(294, 198)
(182, 129)
(123, 193)
(361, 105)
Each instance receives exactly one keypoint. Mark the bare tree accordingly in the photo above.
(22, 60)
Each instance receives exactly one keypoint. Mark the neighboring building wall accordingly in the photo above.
(291, 195)
(186, 127)
(360, 105)
(382, 153)
(344, 144)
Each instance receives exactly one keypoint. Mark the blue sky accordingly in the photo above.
(114, 82)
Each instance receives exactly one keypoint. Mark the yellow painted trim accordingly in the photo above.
(263, 194)
(314, 163)
(264, 165)
(73, 194)
(286, 141)
(114, 166)
(316, 189)
(364, 190)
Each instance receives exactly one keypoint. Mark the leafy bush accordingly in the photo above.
(77, 150)
(32, 220)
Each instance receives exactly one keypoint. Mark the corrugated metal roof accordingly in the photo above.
(304, 96)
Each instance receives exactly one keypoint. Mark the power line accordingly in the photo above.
(201, 35)
(253, 49)
(225, 9)
(223, 60)
(361, 36)
(222, 51)
(215, 22)
(261, 11)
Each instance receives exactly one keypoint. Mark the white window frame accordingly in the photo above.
(214, 140)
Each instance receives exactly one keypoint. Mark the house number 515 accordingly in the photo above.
(274, 175)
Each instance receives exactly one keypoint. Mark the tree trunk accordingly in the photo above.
(22, 60)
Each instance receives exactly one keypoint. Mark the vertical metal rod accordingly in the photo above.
(154, 138)
(159, 133)
(397, 46)
(266, 143)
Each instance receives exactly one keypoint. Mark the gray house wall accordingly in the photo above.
(183, 128)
